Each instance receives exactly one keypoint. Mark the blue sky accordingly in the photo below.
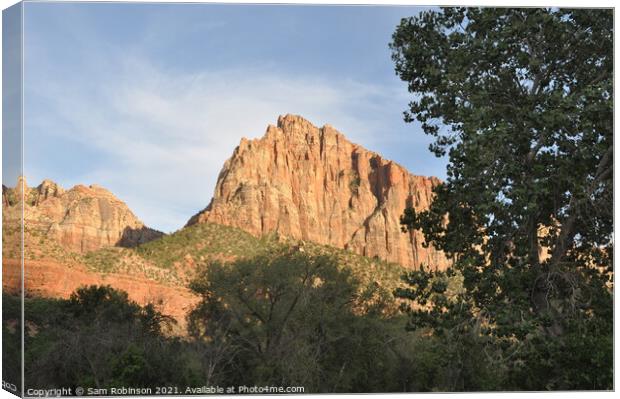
(11, 95)
(149, 100)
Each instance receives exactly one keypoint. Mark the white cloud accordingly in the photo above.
(168, 134)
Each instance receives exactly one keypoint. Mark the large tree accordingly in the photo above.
(291, 319)
(521, 101)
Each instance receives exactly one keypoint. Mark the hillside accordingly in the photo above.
(159, 271)
(187, 250)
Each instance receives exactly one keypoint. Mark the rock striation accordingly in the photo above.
(81, 219)
(311, 183)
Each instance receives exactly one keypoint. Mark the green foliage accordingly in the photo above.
(11, 339)
(204, 242)
(99, 338)
(208, 242)
(105, 260)
(131, 366)
(521, 101)
(128, 261)
(94, 303)
(295, 319)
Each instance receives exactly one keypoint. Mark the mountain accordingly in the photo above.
(78, 237)
(310, 183)
(82, 236)
(160, 271)
(81, 219)
(299, 188)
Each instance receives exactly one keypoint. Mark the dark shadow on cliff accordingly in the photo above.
(134, 237)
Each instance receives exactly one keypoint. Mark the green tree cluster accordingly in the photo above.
(283, 319)
(100, 339)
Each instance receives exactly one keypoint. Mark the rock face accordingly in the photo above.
(313, 184)
(49, 278)
(81, 219)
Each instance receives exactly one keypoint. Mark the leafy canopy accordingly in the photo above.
(99, 338)
(290, 318)
(521, 102)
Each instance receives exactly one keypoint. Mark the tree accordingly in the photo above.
(289, 318)
(100, 338)
(521, 102)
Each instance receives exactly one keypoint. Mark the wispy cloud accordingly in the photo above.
(166, 134)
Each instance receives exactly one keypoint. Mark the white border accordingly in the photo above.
(497, 3)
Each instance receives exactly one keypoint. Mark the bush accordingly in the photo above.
(99, 338)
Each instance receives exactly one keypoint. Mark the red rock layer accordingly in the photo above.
(49, 278)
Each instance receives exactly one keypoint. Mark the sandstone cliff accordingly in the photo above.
(313, 184)
(81, 219)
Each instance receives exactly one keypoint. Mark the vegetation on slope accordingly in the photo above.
(288, 319)
(208, 243)
(174, 258)
(204, 242)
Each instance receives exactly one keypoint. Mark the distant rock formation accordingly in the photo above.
(81, 219)
(313, 184)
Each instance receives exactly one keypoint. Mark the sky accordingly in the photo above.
(11, 95)
(149, 100)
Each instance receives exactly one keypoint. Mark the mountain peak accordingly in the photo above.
(311, 183)
(81, 219)
(286, 122)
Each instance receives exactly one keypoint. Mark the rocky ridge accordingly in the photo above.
(81, 219)
(310, 183)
